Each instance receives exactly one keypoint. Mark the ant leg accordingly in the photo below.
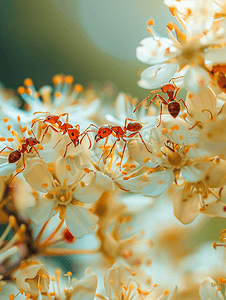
(142, 140)
(65, 114)
(123, 152)
(41, 112)
(78, 127)
(112, 148)
(145, 100)
(57, 143)
(37, 152)
(20, 170)
(84, 134)
(160, 97)
(11, 149)
(66, 148)
(33, 123)
(172, 79)
(47, 128)
(184, 105)
(160, 115)
(175, 95)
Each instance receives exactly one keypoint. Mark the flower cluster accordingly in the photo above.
(68, 175)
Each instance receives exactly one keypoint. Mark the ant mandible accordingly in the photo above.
(15, 155)
(73, 132)
(118, 132)
(174, 106)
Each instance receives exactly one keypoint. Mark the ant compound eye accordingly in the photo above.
(104, 131)
(72, 134)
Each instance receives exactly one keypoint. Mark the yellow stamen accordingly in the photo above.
(44, 185)
(23, 129)
(68, 168)
(8, 127)
(10, 139)
(5, 120)
(2, 139)
(40, 147)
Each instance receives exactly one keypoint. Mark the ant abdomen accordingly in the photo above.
(134, 126)
(174, 108)
(14, 156)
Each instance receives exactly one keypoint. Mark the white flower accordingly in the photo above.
(190, 50)
(117, 288)
(124, 106)
(32, 278)
(62, 98)
(67, 187)
(171, 155)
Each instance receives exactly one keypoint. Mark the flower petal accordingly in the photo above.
(112, 282)
(202, 106)
(85, 288)
(139, 153)
(196, 79)
(185, 209)
(79, 220)
(216, 209)
(157, 75)
(151, 51)
(36, 174)
(158, 183)
(6, 168)
(209, 290)
(42, 211)
(216, 56)
(194, 173)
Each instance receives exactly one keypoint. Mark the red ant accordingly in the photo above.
(15, 155)
(173, 106)
(118, 132)
(73, 132)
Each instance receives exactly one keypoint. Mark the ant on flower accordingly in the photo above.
(118, 132)
(15, 155)
(174, 106)
(72, 131)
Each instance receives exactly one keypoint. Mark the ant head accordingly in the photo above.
(51, 119)
(166, 87)
(32, 141)
(103, 132)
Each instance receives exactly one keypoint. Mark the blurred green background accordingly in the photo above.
(95, 41)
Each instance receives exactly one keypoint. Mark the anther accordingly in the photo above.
(5, 120)
(2, 139)
(68, 168)
(18, 118)
(8, 127)
(10, 139)
(69, 79)
(21, 90)
(44, 185)
(28, 82)
(78, 88)
(23, 129)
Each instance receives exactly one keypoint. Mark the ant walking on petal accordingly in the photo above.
(72, 131)
(174, 106)
(15, 155)
(119, 132)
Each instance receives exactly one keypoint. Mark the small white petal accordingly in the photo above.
(202, 107)
(112, 282)
(151, 51)
(139, 153)
(216, 56)
(196, 79)
(158, 183)
(185, 209)
(6, 169)
(36, 174)
(215, 209)
(194, 173)
(208, 290)
(42, 211)
(79, 220)
(155, 76)
(85, 288)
